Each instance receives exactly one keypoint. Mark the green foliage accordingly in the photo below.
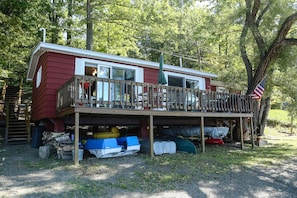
(282, 120)
(280, 116)
(204, 33)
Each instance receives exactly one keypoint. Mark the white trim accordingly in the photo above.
(81, 69)
(81, 62)
(39, 76)
(41, 48)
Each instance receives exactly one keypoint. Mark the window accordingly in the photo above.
(193, 84)
(187, 81)
(179, 82)
(104, 72)
(176, 81)
(90, 69)
(109, 70)
(38, 77)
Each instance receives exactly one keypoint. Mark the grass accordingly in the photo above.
(170, 171)
(278, 117)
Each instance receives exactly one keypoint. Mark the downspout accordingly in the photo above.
(180, 61)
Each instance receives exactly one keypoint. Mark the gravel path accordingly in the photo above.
(24, 174)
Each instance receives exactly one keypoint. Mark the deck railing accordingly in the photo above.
(93, 92)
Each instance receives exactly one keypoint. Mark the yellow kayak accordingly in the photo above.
(108, 134)
(114, 133)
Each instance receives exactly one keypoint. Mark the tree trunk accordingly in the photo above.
(261, 112)
(54, 19)
(291, 124)
(257, 70)
(89, 44)
(69, 22)
(266, 108)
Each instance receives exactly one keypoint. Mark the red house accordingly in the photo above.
(72, 86)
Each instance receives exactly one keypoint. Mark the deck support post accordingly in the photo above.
(151, 124)
(202, 135)
(231, 129)
(143, 128)
(76, 138)
(252, 133)
(241, 133)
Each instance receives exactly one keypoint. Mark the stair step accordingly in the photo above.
(12, 124)
(17, 137)
(17, 141)
(18, 127)
(17, 131)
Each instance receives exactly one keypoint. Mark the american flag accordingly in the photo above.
(259, 90)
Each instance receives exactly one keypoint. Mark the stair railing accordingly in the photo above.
(4, 89)
(20, 91)
(26, 114)
(27, 120)
(6, 122)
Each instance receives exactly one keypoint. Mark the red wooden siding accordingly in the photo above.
(38, 94)
(56, 70)
(150, 75)
(213, 88)
(207, 84)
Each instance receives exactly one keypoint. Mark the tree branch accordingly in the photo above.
(290, 41)
(275, 48)
(254, 25)
(286, 26)
(259, 19)
(255, 10)
(242, 44)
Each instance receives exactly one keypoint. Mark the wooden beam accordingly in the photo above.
(143, 128)
(76, 139)
(241, 134)
(133, 112)
(151, 135)
(202, 135)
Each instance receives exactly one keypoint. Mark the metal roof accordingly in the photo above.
(42, 48)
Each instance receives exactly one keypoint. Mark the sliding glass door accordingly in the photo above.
(103, 87)
(120, 91)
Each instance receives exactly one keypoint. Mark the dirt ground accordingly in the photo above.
(24, 174)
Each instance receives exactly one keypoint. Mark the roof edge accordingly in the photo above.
(43, 47)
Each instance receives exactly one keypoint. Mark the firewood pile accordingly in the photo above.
(60, 144)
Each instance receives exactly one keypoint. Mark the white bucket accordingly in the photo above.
(80, 154)
(44, 152)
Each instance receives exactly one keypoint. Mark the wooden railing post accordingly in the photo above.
(4, 89)
(6, 122)
(20, 91)
(27, 121)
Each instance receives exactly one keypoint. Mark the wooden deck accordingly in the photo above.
(89, 100)
(105, 96)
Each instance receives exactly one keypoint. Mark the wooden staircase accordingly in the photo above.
(17, 131)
